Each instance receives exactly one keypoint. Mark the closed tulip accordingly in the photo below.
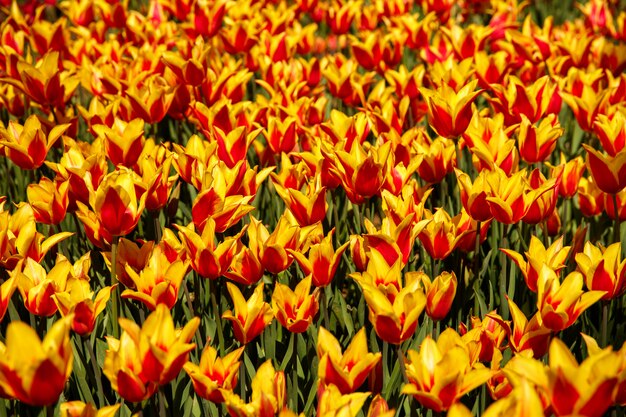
(148, 356)
(538, 255)
(450, 112)
(603, 269)
(251, 316)
(561, 303)
(28, 145)
(348, 370)
(295, 310)
(441, 373)
(215, 374)
(35, 371)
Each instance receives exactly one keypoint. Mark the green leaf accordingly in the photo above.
(288, 354)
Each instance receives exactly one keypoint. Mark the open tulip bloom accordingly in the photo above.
(332, 208)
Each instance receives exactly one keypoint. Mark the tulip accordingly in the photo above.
(383, 272)
(148, 356)
(188, 71)
(410, 202)
(22, 240)
(322, 261)
(245, 267)
(307, 208)
(239, 37)
(214, 374)
(35, 371)
(536, 143)
(511, 198)
(572, 172)
(6, 292)
(78, 303)
(347, 371)
(233, 147)
(81, 409)
(603, 269)
(49, 200)
(612, 132)
(251, 316)
(224, 210)
(394, 320)
(450, 112)
(27, 145)
(37, 286)
(609, 173)
(295, 310)
(151, 99)
(525, 334)
(207, 18)
(522, 401)
(333, 403)
(586, 105)
(394, 240)
(405, 82)
(439, 159)
(440, 294)
(610, 203)
(538, 255)
(123, 368)
(361, 171)
(208, 258)
(474, 195)
(440, 236)
(561, 303)
(586, 389)
(272, 249)
(117, 203)
(590, 197)
(154, 167)
(44, 82)
(282, 134)
(129, 255)
(193, 157)
(515, 98)
(485, 339)
(83, 170)
(400, 174)
(158, 283)
(490, 142)
(467, 228)
(376, 51)
(269, 394)
(123, 142)
(441, 372)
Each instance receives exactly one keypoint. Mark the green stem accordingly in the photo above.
(357, 217)
(96, 371)
(158, 230)
(193, 314)
(242, 377)
(294, 375)
(605, 322)
(402, 361)
(477, 251)
(218, 318)
(522, 238)
(616, 228)
(324, 308)
(115, 297)
(161, 401)
(385, 361)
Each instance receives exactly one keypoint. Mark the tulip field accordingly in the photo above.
(350, 208)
